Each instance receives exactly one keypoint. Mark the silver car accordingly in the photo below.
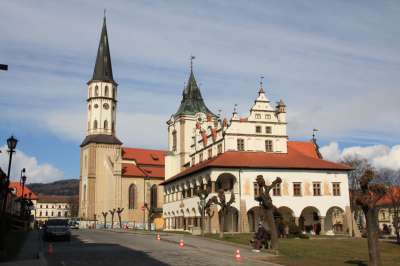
(57, 229)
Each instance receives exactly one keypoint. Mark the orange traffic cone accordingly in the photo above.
(158, 237)
(237, 255)
(181, 243)
(50, 249)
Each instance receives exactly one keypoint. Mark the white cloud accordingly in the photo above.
(35, 171)
(380, 156)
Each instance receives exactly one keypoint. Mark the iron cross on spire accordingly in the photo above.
(261, 83)
(192, 57)
(313, 134)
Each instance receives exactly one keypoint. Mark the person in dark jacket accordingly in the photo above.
(260, 238)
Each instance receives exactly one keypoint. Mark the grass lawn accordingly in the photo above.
(322, 251)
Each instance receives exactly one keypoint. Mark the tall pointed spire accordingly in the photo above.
(192, 101)
(103, 69)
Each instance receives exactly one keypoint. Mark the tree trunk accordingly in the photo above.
(149, 221)
(272, 228)
(105, 222)
(373, 237)
(120, 221)
(112, 221)
(222, 224)
(202, 222)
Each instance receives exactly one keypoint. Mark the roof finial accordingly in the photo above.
(235, 108)
(313, 134)
(261, 84)
(104, 14)
(192, 57)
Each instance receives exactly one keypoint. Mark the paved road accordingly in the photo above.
(116, 248)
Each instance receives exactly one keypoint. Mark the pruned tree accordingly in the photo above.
(202, 194)
(367, 197)
(266, 203)
(105, 219)
(119, 211)
(209, 212)
(150, 215)
(112, 212)
(221, 201)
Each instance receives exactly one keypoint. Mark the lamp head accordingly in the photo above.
(12, 143)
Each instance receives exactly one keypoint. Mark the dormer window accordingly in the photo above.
(258, 116)
(267, 116)
(240, 144)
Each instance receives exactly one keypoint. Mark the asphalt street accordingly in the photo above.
(97, 247)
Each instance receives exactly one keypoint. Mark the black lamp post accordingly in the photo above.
(12, 144)
(22, 181)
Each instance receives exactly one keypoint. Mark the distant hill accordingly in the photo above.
(69, 187)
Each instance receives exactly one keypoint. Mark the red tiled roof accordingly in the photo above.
(18, 190)
(131, 170)
(305, 147)
(393, 193)
(144, 156)
(299, 156)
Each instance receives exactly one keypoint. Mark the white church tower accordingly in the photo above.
(101, 149)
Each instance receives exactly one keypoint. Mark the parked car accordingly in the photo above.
(57, 229)
(74, 224)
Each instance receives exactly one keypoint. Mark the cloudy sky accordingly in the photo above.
(336, 64)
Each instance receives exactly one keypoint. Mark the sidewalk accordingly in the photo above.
(30, 253)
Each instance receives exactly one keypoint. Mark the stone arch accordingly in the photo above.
(334, 221)
(287, 214)
(231, 223)
(309, 220)
(226, 182)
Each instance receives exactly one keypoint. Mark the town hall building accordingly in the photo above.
(209, 152)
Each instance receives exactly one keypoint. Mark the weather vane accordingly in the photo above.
(235, 108)
(261, 80)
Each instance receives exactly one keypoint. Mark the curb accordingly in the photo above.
(42, 259)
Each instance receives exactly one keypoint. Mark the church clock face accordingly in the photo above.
(201, 118)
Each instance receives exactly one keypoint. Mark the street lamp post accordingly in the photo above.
(22, 183)
(12, 144)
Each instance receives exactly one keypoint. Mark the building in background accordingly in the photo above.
(53, 207)
(17, 193)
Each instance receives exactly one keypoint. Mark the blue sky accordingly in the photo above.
(336, 65)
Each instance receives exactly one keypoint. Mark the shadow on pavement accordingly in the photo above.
(77, 252)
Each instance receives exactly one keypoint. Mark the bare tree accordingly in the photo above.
(202, 194)
(266, 202)
(119, 211)
(112, 212)
(105, 219)
(358, 166)
(367, 197)
(210, 213)
(221, 201)
(150, 215)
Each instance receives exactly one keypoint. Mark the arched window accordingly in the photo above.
(105, 124)
(174, 140)
(106, 91)
(132, 196)
(153, 196)
(96, 91)
(95, 124)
